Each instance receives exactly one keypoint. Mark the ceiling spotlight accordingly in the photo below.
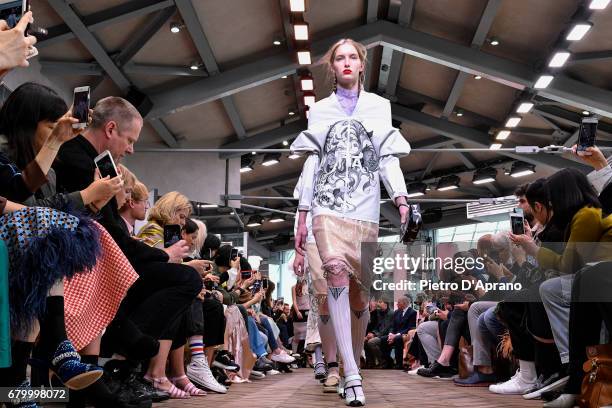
(459, 112)
(579, 30)
(294, 156)
(175, 27)
(276, 42)
(304, 57)
(309, 98)
(559, 59)
(291, 112)
(543, 81)
(194, 66)
(493, 41)
(599, 4)
(521, 169)
(307, 84)
(284, 77)
(207, 206)
(495, 146)
(246, 164)
(297, 6)
(486, 175)
(285, 143)
(524, 107)
(300, 31)
(477, 76)
(448, 183)
(254, 221)
(502, 135)
(416, 189)
(271, 159)
(586, 112)
(513, 121)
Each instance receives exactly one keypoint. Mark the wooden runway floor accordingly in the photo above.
(384, 388)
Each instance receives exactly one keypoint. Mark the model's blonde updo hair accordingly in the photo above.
(328, 59)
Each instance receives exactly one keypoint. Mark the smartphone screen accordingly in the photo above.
(234, 253)
(245, 275)
(106, 165)
(518, 226)
(80, 107)
(11, 11)
(172, 234)
(586, 134)
(264, 283)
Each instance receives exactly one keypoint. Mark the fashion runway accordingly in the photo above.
(383, 388)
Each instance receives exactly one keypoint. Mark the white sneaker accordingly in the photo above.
(414, 372)
(199, 373)
(282, 357)
(273, 372)
(514, 386)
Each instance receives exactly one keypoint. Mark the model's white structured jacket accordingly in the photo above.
(347, 155)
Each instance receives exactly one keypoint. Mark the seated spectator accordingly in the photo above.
(136, 206)
(404, 319)
(382, 316)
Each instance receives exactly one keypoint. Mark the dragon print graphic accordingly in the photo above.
(349, 162)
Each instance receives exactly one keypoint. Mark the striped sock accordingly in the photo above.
(197, 349)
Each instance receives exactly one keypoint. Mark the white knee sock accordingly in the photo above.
(359, 325)
(328, 339)
(340, 313)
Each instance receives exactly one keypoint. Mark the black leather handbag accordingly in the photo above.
(410, 229)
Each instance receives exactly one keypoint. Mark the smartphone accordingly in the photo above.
(234, 253)
(106, 165)
(172, 234)
(80, 107)
(12, 10)
(264, 283)
(210, 285)
(256, 287)
(586, 134)
(246, 274)
(517, 222)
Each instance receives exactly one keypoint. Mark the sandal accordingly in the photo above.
(174, 392)
(188, 387)
(353, 400)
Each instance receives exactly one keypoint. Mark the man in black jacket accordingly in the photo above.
(157, 301)
(404, 319)
(381, 319)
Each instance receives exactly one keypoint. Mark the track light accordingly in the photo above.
(486, 175)
(304, 57)
(254, 221)
(579, 30)
(459, 112)
(207, 206)
(195, 65)
(285, 143)
(524, 107)
(586, 112)
(502, 135)
(277, 218)
(599, 4)
(493, 41)
(521, 169)
(559, 59)
(294, 156)
(495, 146)
(297, 6)
(300, 31)
(513, 121)
(543, 81)
(271, 159)
(448, 183)
(477, 77)
(246, 164)
(416, 189)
